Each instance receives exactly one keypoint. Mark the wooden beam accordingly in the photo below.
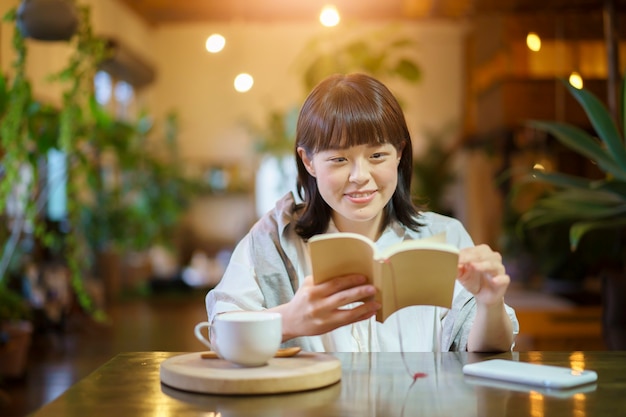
(611, 38)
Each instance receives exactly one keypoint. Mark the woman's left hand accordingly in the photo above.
(482, 273)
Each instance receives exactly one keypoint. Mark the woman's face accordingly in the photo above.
(357, 183)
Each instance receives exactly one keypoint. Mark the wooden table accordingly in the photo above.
(376, 384)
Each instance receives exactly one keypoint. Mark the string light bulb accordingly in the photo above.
(533, 41)
(215, 43)
(243, 82)
(576, 80)
(329, 16)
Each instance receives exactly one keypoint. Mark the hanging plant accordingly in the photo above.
(26, 139)
(15, 142)
(75, 119)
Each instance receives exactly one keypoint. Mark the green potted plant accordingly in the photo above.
(140, 210)
(28, 131)
(595, 208)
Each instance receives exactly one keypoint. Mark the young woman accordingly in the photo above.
(354, 158)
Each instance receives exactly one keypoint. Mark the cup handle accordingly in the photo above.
(197, 331)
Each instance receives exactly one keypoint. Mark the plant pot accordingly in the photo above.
(14, 347)
(47, 20)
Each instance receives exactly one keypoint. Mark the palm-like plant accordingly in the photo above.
(588, 204)
(597, 206)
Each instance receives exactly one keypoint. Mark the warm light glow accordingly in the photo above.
(580, 405)
(543, 163)
(536, 404)
(576, 80)
(577, 361)
(533, 41)
(243, 82)
(215, 43)
(329, 16)
(578, 365)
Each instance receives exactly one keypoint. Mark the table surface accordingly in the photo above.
(372, 384)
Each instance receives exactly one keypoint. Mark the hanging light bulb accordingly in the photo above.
(215, 43)
(329, 16)
(576, 80)
(533, 41)
(243, 82)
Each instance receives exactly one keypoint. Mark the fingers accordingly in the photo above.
(487, 289)
(481, 259)
(321, 308)
(501, 282)
(363, 311)
(337, 284)
(478, 253)
(482, 273)
(343, 290)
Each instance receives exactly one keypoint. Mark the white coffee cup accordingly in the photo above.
(246, 338)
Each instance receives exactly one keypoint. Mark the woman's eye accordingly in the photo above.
(377, 155)
(338, 159)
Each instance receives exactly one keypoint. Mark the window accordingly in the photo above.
(117, 96)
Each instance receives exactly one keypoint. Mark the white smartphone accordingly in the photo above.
(514, 386)
(547, 376)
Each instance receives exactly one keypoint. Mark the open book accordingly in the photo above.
(413, 272)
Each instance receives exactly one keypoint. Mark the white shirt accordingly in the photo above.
(419, 327)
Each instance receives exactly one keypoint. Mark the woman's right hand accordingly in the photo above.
(318, 309)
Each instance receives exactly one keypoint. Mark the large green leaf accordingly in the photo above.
(408, 70)
(554, 213)
(581, 210)
(562, 181)
(557, 179)
(540, 216)
(579, 229)
(574, 205)
(589, 195)
(603, 123)
(616, 187)
(580, 141)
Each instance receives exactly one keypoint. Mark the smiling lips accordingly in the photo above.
(361, 197)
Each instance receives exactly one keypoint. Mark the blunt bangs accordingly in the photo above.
(350, 112)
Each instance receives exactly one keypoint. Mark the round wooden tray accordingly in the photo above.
(302, 372)
(282, 404)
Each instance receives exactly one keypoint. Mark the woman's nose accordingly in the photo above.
(359, 172)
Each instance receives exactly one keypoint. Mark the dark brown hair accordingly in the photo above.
(344, 111)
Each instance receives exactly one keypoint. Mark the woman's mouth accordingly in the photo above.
(361, 197)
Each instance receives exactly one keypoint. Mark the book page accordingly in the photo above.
(337, 254)
(418, 277)
(437, 241)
